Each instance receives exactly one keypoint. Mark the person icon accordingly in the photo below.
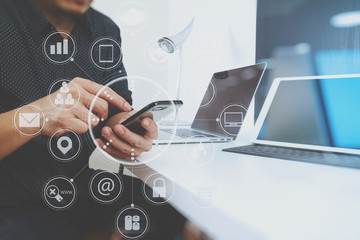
(69, 99)
(59, 100)
(64, 88)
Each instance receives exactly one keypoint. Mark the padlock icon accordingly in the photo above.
(159, 188)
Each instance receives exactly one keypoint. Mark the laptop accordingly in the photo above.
(222, 110)
(310, 119)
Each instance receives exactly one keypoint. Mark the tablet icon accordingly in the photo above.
(106, 53)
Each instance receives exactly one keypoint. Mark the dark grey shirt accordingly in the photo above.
(26, 75)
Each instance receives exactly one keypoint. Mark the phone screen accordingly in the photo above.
(156, 111)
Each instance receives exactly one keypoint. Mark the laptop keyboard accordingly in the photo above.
(186, 132)
(328, 158)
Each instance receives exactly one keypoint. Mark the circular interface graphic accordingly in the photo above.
(67, 94)
(105, 187)
(132, 17)
(59, 193)
(155, 55)
(106, 53)
(132, 222)
(29, 120)
(59, 47)
(160, 191)
(65, 147)
(231, 119)
(200, 150)
(155, 92)
(202, 192)
(209, 96)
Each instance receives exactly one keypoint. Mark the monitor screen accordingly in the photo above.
(306, 38)
(227, 99)
(322, 112)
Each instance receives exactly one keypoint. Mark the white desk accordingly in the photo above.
(264, 198)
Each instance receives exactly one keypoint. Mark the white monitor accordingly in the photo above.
(315, 113)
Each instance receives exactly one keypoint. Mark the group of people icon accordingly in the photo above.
(64, 91)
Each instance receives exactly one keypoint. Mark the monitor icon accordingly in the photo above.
(106, 53)
(233, 119)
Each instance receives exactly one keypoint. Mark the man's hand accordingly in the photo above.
(76, 119)
(125, 144)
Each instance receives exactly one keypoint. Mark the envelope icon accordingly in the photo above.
(29, 120)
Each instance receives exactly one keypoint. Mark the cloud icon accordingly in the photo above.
(133, 17)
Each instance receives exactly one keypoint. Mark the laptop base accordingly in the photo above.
(187, 135)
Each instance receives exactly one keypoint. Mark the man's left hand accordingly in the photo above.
(123, 143)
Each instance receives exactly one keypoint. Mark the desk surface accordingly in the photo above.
(265, 198)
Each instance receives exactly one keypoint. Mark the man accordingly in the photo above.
(25, 162)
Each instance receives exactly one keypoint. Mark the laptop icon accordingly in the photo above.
(233, 119)
(309, 119)
(222, 110)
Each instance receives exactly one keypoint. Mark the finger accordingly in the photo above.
(77, 125)
(115, 99)
(118, 144)
(82, 113)
(106, 93)
(100, 106)
(105, 146)
(150, 127)
(128, 115)
(133, 139)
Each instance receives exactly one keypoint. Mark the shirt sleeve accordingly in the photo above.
(120, 87)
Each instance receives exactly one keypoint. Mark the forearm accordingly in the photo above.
(10, 139)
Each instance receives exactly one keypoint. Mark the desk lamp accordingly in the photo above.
(170, 45)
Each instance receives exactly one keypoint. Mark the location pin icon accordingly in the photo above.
(66, 149)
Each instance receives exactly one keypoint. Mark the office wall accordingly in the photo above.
(299, 37)
(223, 37)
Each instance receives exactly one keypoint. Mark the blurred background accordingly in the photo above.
(307, 37)
(223, 37)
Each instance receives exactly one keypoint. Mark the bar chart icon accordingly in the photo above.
(60, 48)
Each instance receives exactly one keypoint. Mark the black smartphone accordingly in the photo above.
(156, 111)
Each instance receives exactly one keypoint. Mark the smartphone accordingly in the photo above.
(156, 111)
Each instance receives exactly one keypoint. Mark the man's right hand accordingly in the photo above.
(76, 118)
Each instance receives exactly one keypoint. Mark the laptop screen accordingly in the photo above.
(320, 112)
(227, 99)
